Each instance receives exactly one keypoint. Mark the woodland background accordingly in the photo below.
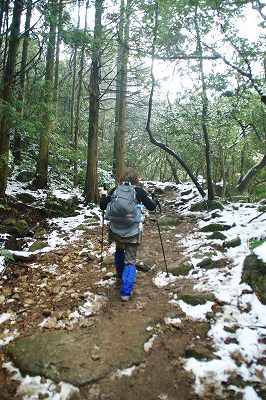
(173, 88)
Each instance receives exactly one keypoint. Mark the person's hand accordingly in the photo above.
(103, 192)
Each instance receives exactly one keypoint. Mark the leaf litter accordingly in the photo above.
(237, 330)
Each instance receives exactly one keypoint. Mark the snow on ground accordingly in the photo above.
(32, 388)
(62, 226)
(64, 232)
(92, 304)
(163, 279)
(238, 331)
(197, 312)
(148, 345)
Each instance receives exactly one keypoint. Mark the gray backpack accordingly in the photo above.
(123, 208)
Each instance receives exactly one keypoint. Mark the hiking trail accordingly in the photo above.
(73, 327)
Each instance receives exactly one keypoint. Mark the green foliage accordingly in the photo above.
(253, 243)
(76, 38)
(236, 117)
(7, 254)
(5, 206)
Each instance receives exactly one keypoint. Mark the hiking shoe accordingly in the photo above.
(124, 298)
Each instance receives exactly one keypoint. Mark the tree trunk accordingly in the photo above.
(41, 178)
(250, 174)
(73, 91)
(4, 31)
(6, 95)
(173, 169)
(204, 114)
(24, 58)
(79, 94)
(91, 189)
(221, 163)
(57, 53)
(121, 88)
(2, 11)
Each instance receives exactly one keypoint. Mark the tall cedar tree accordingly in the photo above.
(78, 105)
(121, 89)
(22, 82)
(7, 94)
(41, 178)
(91, 184)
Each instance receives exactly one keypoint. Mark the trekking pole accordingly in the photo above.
(102, 239)
(159, 230)
(104, 188)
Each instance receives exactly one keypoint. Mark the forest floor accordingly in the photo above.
(158, 332)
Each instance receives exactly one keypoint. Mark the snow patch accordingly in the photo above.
(260, 251)
(162, 279)
(148, 345)
(94, 303)
(172, 321)
(31, 388)
(6, 316)
(197, 312)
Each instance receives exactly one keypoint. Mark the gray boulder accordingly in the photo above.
(254, 274)
(85, 355)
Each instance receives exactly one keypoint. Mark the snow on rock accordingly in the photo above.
(260, 251)
(32, 388)
(162, 279)
(92, 304)
(238, 330)
(172, 321)
(195, 312)
(209, 374)
(148, 345)
(6, 316)
(7, 337)
(125, 372)
(2, 264)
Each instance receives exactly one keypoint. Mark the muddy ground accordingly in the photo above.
(41, 292)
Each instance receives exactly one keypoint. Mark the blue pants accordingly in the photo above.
(119, 262)
(128, 278)
(126, 272)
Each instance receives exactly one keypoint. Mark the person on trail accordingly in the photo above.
(123, 204)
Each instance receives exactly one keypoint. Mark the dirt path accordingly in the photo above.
(58, 285)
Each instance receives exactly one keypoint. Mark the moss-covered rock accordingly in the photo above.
(217, 235)
(233, 243)
(37, 245)
(61, 206)
(26, 198)
(209, 263)
(207, 205)
(19, 226)
(254, 274)
(108, 262)
(39, 233)
(170, 220)
(215, 228)
(206, 261)
(197, 298)
(200, 352)
(91, 221)
(84, 227)
(180, 269)
(262, 208)
(25, 176)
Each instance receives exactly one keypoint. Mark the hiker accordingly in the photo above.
(125, 230)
